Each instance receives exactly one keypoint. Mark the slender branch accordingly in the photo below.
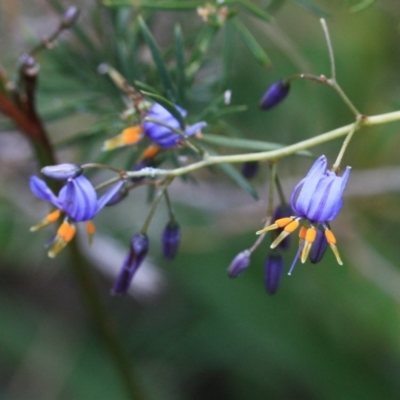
(330, 47)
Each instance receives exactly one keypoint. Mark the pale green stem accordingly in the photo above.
(330, 47)
(154, 205)
(270, 207)
(342, 94)
(346, 142)
(264, 155)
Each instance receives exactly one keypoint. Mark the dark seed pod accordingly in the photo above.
(250, 169)
(319, 247)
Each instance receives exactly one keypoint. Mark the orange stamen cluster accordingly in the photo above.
(306, 235)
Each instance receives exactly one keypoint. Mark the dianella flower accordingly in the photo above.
(77, 201)
(317, 200)
(163, 129)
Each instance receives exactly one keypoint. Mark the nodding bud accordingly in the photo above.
(273, 272)
(170, 239)
(275, 94)
(69, 17)
(29, 65)
(250, 169)
(319, 247)
(118, 197)
(62, 172)
(137, 252)
(239, 264)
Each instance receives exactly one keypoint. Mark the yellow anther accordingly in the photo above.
(53, 216)
(279, 223)
(310, 236)
(132, 134)
(50, 218)
(302, 233)
(291, 226)
(65, 233)
(90, 229)
(128, 136)
(150, 152)
(330, 237)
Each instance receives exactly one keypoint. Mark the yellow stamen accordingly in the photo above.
(279, 223)
(302, 233)
(50, 218)
(330, 238)
(150, 152)
(128, 136)
(90, 229)
(311, 234)
(65, 234)
(289, 228)
(132, 135)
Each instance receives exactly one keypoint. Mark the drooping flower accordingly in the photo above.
(78, 200)
(273, 272)
(171, 237)
(317, 200)
(138, 250)
(161, 130)
(275, 94)
(163, 135)
(239, 264)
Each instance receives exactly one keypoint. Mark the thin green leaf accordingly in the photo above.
(145, 87)
(313, 8)
(249, 40)
(155, 52)
(362, 5)
(240, 180)
(168, 105)
(231, 110)
(248, 144)
(153, 5)
(252, 9)
(180, 62)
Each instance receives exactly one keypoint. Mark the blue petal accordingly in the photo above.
(191, 130)
(324, 201)
(40, 189)
(304, 190)
(80, 200)
(104, 199)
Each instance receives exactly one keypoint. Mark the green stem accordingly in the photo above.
(154, 205)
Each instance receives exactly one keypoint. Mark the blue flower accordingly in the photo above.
(317, 199)
(138, 250)
(163, 135)
(78, 200)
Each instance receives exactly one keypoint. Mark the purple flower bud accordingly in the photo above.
(239, 264)
(170, 240)
(318, 247)
(62, 172)
(282, 211)
(118, 197)
(69, 17)
(273, 272)
(137, 252)
(29, 65)
(275, 94)
(250, 169)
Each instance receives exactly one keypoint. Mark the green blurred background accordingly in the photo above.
(331, 332)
